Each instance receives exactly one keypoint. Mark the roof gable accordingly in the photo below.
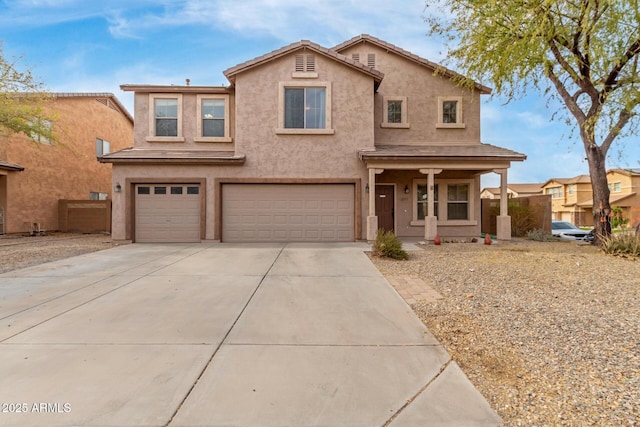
(231, 73)
(436, 68)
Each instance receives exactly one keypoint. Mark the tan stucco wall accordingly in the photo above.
(422, 88)
(269, 156)
(67, 169)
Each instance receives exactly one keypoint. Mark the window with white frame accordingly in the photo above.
(213, 118)
(457, 206)
(422, 201)
(305, 108)
(457, 201)
(450, 112)
(165, 118)
(555, 192)
(102, 147)
(395, 112)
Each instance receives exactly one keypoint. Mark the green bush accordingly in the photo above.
(388, 245)
(621, 244)
(540, 235)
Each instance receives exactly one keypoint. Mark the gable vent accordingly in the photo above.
(355, 57)
(299, 63)
(311, 62)
(371, 60)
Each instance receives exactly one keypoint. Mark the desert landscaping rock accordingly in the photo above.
(547, 331)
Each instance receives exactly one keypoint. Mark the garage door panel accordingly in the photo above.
(167, 213)
(288, 212)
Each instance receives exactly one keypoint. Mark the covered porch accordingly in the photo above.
(429, 190)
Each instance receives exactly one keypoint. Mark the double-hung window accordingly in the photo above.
(305, 107)
(165, 118)
(213, 118)
(458, 201)
(422, 201)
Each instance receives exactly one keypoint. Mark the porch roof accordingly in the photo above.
(442, 152)
(10, 166)
(172, 156)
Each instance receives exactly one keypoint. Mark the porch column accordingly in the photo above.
(372, 219)
(503, 222)
(430, 221)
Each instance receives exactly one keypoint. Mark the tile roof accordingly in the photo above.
(173, 156)
(405, 53)
(111, 96)
(230, 73)
(612, 200)
(10, 166)
(445, 151)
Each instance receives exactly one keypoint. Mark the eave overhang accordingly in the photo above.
(172, 157)
(5, 166)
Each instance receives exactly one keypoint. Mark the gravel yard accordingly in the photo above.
(20, 251)
(547, 331)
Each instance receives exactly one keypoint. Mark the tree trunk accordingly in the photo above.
(601, 208)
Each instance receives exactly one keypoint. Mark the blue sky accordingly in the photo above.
(95, 46)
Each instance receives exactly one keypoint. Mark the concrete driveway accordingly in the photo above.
(222, 335)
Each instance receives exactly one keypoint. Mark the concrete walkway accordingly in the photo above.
(222, 335)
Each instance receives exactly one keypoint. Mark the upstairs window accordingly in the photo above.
(102, 147)
(555, 192)
(305, 108)
(165, 120)
(394, 112)
(166, 114)
(43, 127)
(213, 118)
(450, 112)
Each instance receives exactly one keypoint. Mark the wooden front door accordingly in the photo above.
(384, 207)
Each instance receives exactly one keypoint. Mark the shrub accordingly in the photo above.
(540, 235)
(388, 245)
(621, 244)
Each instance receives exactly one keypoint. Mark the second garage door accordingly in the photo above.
(288, 212)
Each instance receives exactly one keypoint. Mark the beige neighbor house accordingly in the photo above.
(308, 144)
(572, 198)
(36, 173)
(513, 191)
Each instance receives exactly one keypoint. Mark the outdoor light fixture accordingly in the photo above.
(118, 188)
(366, 188)
(406, 189)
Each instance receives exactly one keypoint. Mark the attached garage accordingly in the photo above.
(167, 213)
(288, 212)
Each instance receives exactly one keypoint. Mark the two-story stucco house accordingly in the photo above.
(36, 173)
(308, 143)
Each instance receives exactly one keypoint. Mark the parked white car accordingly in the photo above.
(566, 230)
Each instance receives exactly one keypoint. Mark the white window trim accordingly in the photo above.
(227, 136)
(281, 130)
(404, 122)
(152, 118)
(460, 124)
(443, 202)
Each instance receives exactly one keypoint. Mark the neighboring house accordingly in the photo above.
(308, 144)
(572, 198)
(36, 173)
(513, 191)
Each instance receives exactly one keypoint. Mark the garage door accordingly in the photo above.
(167, 213)
(287, 212)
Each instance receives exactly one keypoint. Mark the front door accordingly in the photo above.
(384, 207)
